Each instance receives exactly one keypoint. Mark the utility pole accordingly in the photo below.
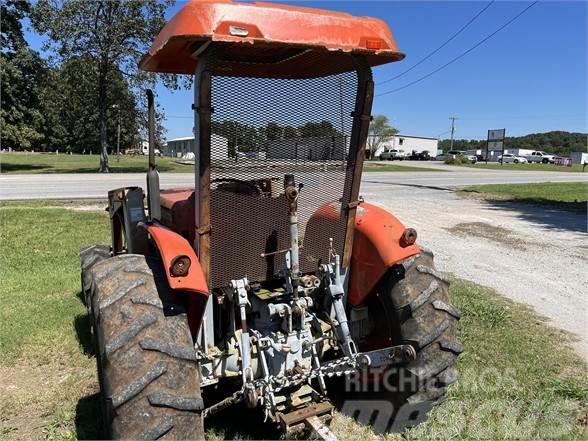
(452, 118)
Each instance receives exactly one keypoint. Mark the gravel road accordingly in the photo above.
(531, 254)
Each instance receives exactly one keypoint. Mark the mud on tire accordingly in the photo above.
(149, 380)
(411, 306)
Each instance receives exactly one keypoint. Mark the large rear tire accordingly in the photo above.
(149, 380)
(411, 306)
(89, 257)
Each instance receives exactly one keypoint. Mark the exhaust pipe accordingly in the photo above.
(153, 201)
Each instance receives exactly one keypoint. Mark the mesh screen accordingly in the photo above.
(263, 129)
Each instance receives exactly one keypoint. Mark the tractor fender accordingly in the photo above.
(171, 245)
(377, 245)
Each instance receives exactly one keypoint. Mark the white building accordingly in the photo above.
(179, 147)
(409, 144)
(579, 158)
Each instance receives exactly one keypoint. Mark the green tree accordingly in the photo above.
(21, 72)
(379, 132)
(114, 33)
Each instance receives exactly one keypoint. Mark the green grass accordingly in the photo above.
(13, 163)
(384, 166)
(519, 379)
(526, 167)
(565, 195)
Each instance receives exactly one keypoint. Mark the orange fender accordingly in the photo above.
(377, 245)
(171, 245)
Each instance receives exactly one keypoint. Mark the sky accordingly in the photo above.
(531, 77)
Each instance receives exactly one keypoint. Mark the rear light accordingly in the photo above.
(180, 266)
(409, 237)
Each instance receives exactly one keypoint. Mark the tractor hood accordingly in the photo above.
(268, 40)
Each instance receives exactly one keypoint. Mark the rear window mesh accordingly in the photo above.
(261, 130)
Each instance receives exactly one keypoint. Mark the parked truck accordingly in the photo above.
(542, 157)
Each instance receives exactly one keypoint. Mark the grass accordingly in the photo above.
(519, 379)
(571, 196)
(34, 163)
(13, 163)
(526, 167)
(382, 166)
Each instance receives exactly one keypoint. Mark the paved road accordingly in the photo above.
(66, 186)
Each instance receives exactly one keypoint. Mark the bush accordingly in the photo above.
(457, 160)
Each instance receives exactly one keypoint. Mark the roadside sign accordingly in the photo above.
(495, 141)
(496, 135)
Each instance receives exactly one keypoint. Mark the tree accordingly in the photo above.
(70, 108)
(379, 132)
(21, 71)
(113, 33)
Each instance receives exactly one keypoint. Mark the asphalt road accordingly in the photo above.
(96, 186)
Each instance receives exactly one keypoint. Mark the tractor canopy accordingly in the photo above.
(267, 40)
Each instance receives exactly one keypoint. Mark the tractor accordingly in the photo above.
(270, 284)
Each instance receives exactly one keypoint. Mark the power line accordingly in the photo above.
(462, 54)
(440, 47)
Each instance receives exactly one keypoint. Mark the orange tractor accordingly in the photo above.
(270, 283)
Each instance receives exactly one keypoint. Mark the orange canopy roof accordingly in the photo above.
(268, 40)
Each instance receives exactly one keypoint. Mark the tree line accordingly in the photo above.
(249, 138)
(86, 84)
(558, 142)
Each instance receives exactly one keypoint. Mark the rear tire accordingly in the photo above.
(411, 306)
(89, 257)
(149, 380)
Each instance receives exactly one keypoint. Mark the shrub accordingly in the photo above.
(457, 160)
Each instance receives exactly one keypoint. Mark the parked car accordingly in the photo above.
(510, 158)
(392, 154)
(541, 157)
(420, 156)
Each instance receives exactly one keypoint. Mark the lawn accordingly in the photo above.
(566, 195)
(17, 163)
(519, 378)
(63, 163)
(526, 167)
(382, 166)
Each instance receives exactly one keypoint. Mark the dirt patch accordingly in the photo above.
(468, 194)
(34, 395)
(491, 232)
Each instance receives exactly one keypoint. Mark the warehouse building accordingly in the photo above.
(184, 147)
(409, 143)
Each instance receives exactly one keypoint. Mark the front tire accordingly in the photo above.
(149, 379)
(411, 306)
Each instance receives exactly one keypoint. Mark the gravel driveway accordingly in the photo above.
(532, 254)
